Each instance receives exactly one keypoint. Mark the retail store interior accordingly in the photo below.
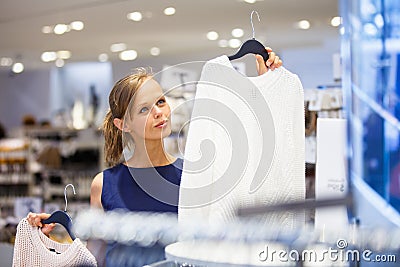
(59, 61)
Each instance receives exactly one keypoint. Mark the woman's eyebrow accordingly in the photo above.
(142, 104)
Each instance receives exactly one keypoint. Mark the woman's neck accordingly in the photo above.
(150, 154)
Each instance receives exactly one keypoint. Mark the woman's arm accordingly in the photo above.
(95, 191)
(97, 247)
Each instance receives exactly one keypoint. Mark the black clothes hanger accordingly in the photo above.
(62, 217)
(251, 46)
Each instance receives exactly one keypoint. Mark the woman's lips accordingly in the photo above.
(161, 124)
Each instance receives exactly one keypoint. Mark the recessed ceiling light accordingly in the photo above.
(60, 62)
(64, 54)
(128, 55)
(48, 56)
(237, 33)
(6, 61)
(234, 43)
(118, 47)
(212, 35)
(250, 1)
(18, 67)
(47, 29)
(303, 24)
(155, 51)
(169, 11)
(103, 57)
(60, 28)
(135, 16)
(336, 21)
(223, 43)
(77, 25)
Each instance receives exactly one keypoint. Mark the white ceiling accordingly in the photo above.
(181, 36)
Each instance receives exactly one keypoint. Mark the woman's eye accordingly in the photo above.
(143, 110)
(161, 101)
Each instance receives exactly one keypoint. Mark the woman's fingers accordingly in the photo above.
(35, 219)
(47, 228)
(260, 63)
(273, 62)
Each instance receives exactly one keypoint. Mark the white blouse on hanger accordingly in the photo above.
(251, 132)
(34, 249)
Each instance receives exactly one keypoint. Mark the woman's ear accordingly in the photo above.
(118, 123)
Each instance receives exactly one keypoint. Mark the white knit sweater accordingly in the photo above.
(250, 133)
(32, 249)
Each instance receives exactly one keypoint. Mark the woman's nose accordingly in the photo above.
(157, 111)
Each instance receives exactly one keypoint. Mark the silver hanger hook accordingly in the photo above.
(251, 21)
(65, 195)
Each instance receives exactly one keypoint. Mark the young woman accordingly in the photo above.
(139, 117)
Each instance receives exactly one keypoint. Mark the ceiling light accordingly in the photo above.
(367, 9)
(60, 62)
(336, 21)
(18, 67)
(103, 57)
(6, 61)
(47, 29)
(77, 25)
(60, 28)
(118, 47)
(303, 24)
(212, 35)
(237, 33)
(64, 54)
(155, 51)
(169, 11)
(135, 16)
(341, 30)
(370, 29)
(379, 22)
(48, 56)
(250, 1)
(234, 43)
(223, 43)
(128, 55)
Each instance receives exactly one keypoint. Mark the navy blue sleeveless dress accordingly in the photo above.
(123, 189)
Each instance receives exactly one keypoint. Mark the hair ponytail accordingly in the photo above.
(113, 140)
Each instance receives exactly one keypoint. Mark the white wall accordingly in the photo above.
(314, 65)
(25, 93)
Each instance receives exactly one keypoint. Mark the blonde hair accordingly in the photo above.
(120, 96)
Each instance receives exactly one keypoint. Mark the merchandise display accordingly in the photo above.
(15, 178)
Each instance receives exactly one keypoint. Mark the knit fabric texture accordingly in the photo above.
(34, 249)
(252, 129)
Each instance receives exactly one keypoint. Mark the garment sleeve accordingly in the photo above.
(21, 246)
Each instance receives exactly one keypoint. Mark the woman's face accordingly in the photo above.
(149, 117)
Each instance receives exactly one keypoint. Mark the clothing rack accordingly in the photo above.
(146, 229)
